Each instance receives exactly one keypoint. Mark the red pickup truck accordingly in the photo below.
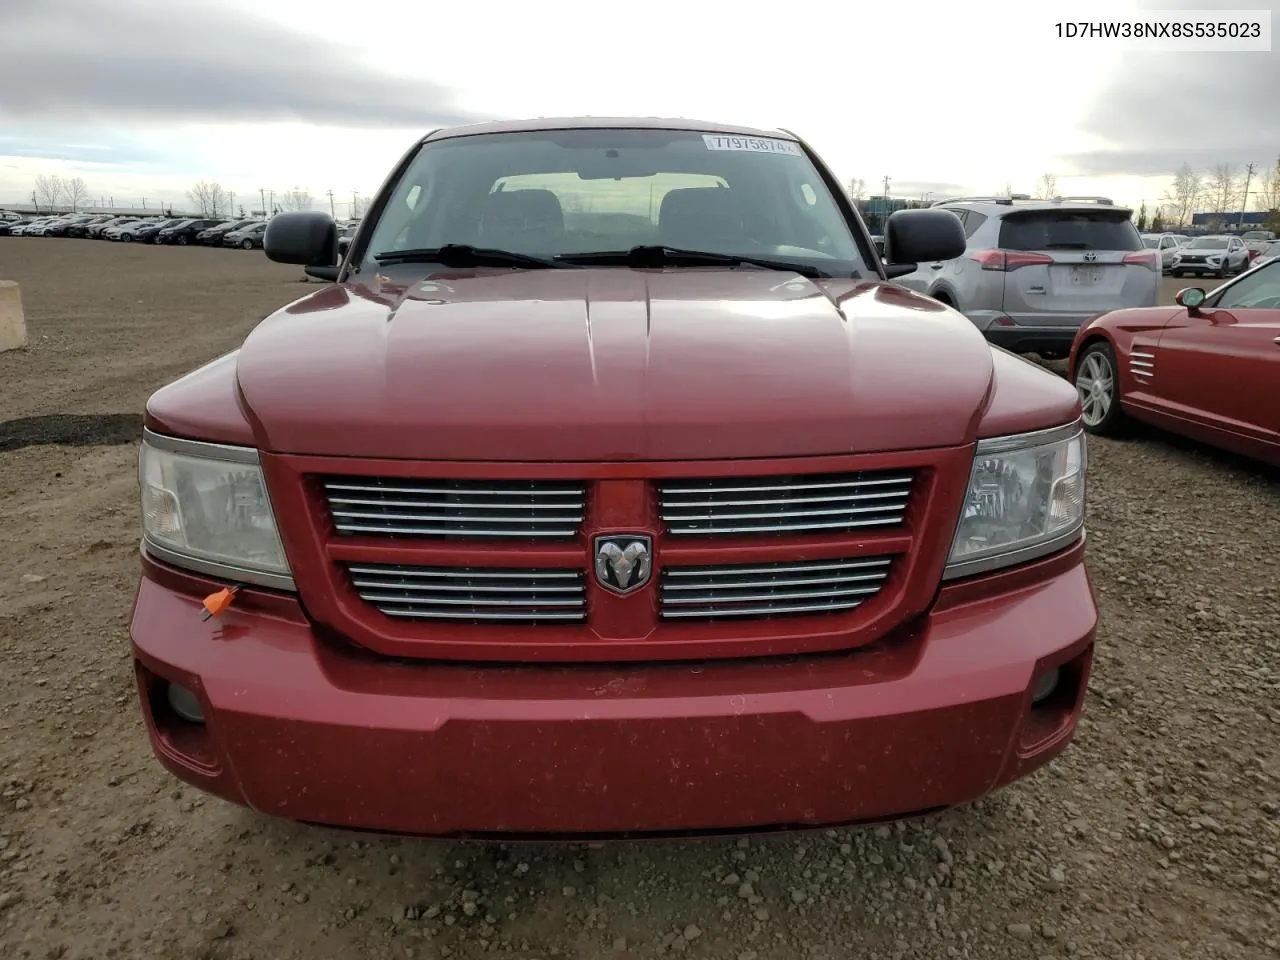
(611, 487)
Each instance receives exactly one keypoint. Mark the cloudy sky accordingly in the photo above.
(142, 97)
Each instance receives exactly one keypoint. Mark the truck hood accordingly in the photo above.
(605, 364)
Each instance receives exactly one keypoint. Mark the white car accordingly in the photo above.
(1215, 256)
(1166, 243)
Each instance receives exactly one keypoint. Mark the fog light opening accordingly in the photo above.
(1045, 685)
(184, 703)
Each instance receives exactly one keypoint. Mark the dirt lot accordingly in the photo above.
(1156, 836)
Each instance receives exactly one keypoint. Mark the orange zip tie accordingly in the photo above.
(215, 603)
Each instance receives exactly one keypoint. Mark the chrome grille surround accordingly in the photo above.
(456, 509)
(477, 595)
(812, 504)
(787, 588)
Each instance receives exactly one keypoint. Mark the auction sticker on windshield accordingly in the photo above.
(716, 141)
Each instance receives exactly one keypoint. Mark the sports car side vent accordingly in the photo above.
(1142, 365)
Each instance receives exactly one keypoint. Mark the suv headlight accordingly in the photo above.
(1025, 500)
(205, 507)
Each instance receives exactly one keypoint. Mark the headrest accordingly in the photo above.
(512, 211)
(691, 213)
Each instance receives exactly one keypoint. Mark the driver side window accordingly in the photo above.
(1259, 290)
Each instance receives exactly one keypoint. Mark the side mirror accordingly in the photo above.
(1191, 298)
(307, 238)
(916, 236)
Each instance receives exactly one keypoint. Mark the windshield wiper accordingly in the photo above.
(658, 255)
(465, 255)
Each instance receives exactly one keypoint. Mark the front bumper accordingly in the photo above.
(1197, 269)
(310, 729)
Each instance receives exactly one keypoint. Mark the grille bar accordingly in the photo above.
(476, 595)
(460, 509)
(786, 504)
(763, 590)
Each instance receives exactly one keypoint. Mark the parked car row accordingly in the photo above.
(181, 231)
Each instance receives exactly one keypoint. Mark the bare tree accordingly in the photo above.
(1183, 196)
(1223, 188)
(48, 192)
(74, 192)
(857, 189)
(1268, 196)
(295, 199)
(1047, 188)
(210, 196)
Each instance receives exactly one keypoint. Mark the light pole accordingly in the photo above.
(1248, 179)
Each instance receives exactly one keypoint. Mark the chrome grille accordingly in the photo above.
(486, 595)
(771, 589)
(398, 507)
(823, 503)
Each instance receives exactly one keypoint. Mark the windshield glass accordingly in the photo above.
(1151, 242)
(1208, 243)
(562, 192)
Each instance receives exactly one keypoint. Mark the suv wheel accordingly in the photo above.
(1099, 389)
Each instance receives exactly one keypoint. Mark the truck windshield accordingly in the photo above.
(560, 193)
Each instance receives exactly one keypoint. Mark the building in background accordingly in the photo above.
(1233, 222)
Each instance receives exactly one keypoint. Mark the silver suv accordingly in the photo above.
(1035, 270)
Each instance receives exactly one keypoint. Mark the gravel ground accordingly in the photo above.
(1156, 836)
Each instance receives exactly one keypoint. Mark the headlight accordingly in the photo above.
(1025, 500)
(205, 507)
